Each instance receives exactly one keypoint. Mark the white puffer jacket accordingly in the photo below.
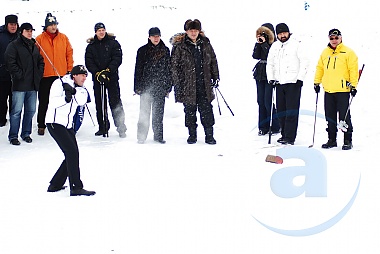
(59, 111)
(287, 62)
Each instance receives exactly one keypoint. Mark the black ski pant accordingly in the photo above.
(5, 100)
(288, 97)
(156, 105)
(205, 110)
(113, 90)
(66, 140)
(337, 103)
(43, 99)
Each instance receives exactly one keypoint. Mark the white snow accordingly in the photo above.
(180, 198)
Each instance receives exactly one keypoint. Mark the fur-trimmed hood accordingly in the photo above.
(109, 35)
(180, 37)
(267, 31)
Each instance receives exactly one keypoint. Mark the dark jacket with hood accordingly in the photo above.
(103, 54)
(152, 70)
(184, 69)
(261, 50)
(5, 38)
(25, 64)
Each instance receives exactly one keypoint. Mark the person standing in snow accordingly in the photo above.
(57, 51)
(287, 65)
(265, 36)
(103, 57)
(152, 81)
(26, 66)
(8, 33)
(337, 70)
(66, 95)
(195, 72)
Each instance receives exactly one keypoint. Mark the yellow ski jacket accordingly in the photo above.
(337, 67)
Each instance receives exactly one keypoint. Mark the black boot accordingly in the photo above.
(192, 139)
(347, 142)
(330, 143)
(209, 139)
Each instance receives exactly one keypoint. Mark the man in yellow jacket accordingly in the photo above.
(337, 70)
(57, 51)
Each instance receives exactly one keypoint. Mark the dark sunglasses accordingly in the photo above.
(334, 38)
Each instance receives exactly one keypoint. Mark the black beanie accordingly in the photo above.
(154, 31)
(50, 20)
(11, 19)
(98, 26)
(78, 69)
(282, 27)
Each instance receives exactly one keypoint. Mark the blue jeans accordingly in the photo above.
(20, 99)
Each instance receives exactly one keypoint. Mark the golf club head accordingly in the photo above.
(342, 125)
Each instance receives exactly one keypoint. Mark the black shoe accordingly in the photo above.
(41, 131)
(27, 139)
(330, 144)
(280, 140)
(347, 145)
(192, 139)
(99, 133)
(81, 192)
(210, 140)
(262, 133)
(2, 124)
(285, 141)
(53, 188)
(15, 142)
(160, 140)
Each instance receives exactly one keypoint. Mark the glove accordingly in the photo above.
(353, 91)
(69, 92)
(273, 83)
(215, 83)
(317, 88)
(266, 37)
(299, 82)
(103, 76)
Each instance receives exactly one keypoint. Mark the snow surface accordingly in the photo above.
(180, 198)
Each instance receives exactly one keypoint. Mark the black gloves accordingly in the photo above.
(103, 76)
(299, 82)
(317, 88)
(353, 91)
(215, 83)
(273, 83)
(69, 92)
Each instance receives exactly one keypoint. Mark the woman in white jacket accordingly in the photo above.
(66, 95)
(287, 66)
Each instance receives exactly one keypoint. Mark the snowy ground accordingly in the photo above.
(180, 198)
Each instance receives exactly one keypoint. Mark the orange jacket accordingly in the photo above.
(59, 51)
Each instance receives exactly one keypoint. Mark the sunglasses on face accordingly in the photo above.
(334, 38)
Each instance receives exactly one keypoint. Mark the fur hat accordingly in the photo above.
(11, 19)
(267, 31)
(335, 32)
(50, 20)
(98, 26)
(78, 69)
(282, 27)
(154, 31)
(192, 24)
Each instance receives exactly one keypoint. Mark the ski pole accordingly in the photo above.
(217, 100)
(224, 101)
(315, 120)
(271, 119)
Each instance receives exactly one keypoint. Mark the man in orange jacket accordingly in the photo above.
(57, 51)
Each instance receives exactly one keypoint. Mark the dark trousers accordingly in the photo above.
(288, 98)
(156, 105)
(66, 140)
(117, 111)
(43, 100)
(264, 100)
(205, 110)
(5, 100)
(337, 103)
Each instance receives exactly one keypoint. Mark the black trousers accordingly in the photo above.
(288, 97)
(43, 99)
(156, 105)
(205, 110)
(264, 100)
(337, 103)
(5, 100)
(66, 140)
(117, 111)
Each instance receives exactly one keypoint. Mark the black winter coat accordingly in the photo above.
(103, 54)
(25, 64)
(152, 70)
(184, 69)
(5, 39)
(260, 52)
